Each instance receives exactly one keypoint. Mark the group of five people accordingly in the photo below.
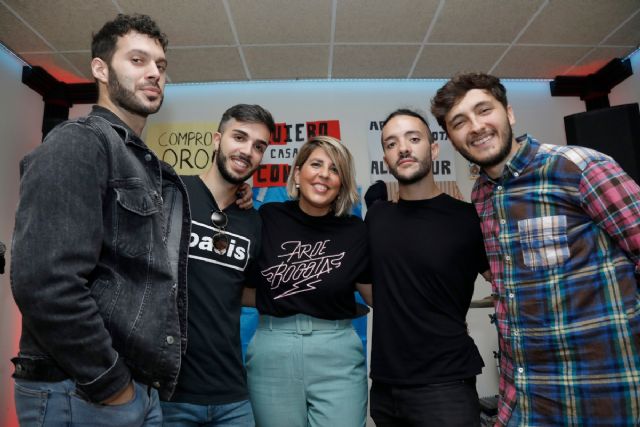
(130, 279)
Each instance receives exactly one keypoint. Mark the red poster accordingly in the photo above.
(284, 144)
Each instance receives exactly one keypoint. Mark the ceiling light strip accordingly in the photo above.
(350, 80)
(13, 54)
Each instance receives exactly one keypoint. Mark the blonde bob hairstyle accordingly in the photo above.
(341, 158)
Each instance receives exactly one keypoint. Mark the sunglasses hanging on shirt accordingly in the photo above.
(220, 239)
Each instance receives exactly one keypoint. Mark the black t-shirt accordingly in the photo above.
(425, 257)
(212, 372)
(308, 264)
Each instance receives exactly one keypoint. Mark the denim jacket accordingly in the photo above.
(99, 257)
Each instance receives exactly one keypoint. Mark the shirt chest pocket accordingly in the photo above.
(544, 241)
(136, 208)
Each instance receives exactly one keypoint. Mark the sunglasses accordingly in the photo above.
(220, 239)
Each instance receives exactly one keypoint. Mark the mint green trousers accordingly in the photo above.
(307, 372)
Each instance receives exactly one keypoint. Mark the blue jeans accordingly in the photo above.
(57, 404)
(236, 414)
(307, 372)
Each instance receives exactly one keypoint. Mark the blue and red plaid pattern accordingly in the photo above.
(562, 234)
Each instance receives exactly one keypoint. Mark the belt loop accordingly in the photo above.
(304, 324)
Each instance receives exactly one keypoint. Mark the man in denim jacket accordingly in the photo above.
(99, 251)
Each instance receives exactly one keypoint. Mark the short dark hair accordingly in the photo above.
(410, 113)
(246, 113)
(104, 41)
(456, 88)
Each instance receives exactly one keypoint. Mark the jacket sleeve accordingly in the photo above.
(57, 242)
(612, 199)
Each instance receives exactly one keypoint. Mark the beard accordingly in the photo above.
(497, 158)
(423, 170)
(221, 164)
(126, 98)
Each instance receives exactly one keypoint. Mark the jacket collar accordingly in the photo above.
(128, 135)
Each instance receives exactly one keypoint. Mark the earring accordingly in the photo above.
(297, 185)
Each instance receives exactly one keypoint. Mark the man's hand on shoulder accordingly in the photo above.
(245, 196)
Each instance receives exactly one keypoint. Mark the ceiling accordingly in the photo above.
(236, 40)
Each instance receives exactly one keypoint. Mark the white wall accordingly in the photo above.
(20, 123)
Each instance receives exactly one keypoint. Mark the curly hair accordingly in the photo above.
(456, 88)
(104, 41)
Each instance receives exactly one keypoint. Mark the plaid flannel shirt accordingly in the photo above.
(562, 234)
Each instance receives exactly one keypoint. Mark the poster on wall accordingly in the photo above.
(187, 146)
(284, 145)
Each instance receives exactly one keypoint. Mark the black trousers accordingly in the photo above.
(450, 404)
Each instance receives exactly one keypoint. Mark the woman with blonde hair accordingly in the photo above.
(305, 364)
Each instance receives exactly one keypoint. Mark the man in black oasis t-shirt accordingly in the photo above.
(212, 386)
(426, 252)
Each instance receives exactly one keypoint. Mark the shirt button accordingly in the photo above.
(520, 370)
(156, 384)
(170, 339)
(148, 157)
(507, 258)
(499, 188)
(511, 295)
(516, 333)
(516, 174)
(503, 221)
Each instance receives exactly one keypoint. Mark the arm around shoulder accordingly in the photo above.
(248, 297)
(365, 292)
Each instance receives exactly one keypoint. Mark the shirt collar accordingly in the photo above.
(514, 166)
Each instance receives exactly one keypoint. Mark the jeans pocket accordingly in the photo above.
(131, 413)
(31, 403)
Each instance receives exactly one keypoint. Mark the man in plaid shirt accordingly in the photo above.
(562, 233)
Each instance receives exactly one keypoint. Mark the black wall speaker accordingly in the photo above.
(614, 131)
